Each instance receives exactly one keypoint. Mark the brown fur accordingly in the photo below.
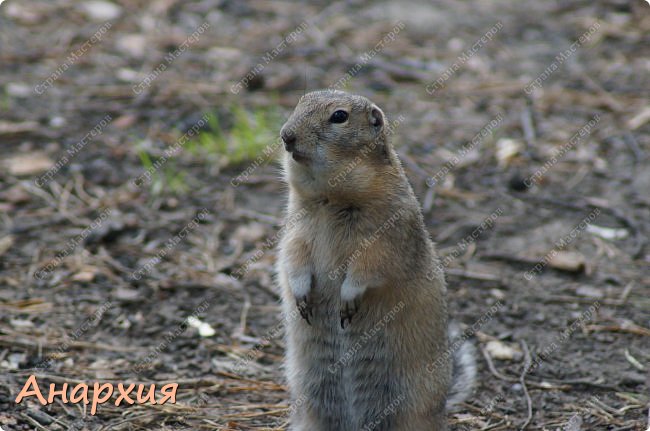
(363, 293)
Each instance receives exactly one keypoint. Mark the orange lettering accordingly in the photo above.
(53, 393)
(168, 394)
(97, 399)
(84, 395)
(36, 391)
(150, 395)
(124, 395)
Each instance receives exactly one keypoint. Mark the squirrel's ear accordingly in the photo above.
(376, 117)
(377, 120)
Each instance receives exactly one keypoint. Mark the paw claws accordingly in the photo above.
(304, 303)
(305, 309)
(348, 310)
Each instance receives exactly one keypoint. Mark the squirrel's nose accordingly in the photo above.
(289, 139)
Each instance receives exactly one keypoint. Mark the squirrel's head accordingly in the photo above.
(334, 142)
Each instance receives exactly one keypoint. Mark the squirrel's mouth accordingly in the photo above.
(299, 157)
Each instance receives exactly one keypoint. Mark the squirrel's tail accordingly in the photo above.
(463, 375)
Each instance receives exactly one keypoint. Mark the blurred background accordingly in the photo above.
(141, 200)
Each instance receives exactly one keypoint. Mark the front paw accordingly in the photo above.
(305, 308)
(301, 287)
(351, 293)
(349, 309)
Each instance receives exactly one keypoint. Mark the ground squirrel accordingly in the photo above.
(363, 289)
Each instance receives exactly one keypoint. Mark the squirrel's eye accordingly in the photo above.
(339, 116)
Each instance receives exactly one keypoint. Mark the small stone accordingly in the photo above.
(127, 295)
(132, 44)
(570, 261)
(507, 149)
(57, 122)
(455, 44)
(98, 10)
(590, 292)
(18, 89)
(127, 75)
(498, 294)
(22, 13)
(13, 361)
(21, 323)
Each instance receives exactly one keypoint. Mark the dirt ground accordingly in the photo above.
(524, 128)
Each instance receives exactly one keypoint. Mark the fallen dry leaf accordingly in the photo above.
(500, 350)
(639, 119)
(9, 128)
(16, 194)
(607, 232)
(28, 164)
(250, 232)
(124, 294)
(84, 276)
(125, 121)
(590, 292)
(205, 330)
(6, 243)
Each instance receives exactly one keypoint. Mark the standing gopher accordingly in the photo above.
(363, 289)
